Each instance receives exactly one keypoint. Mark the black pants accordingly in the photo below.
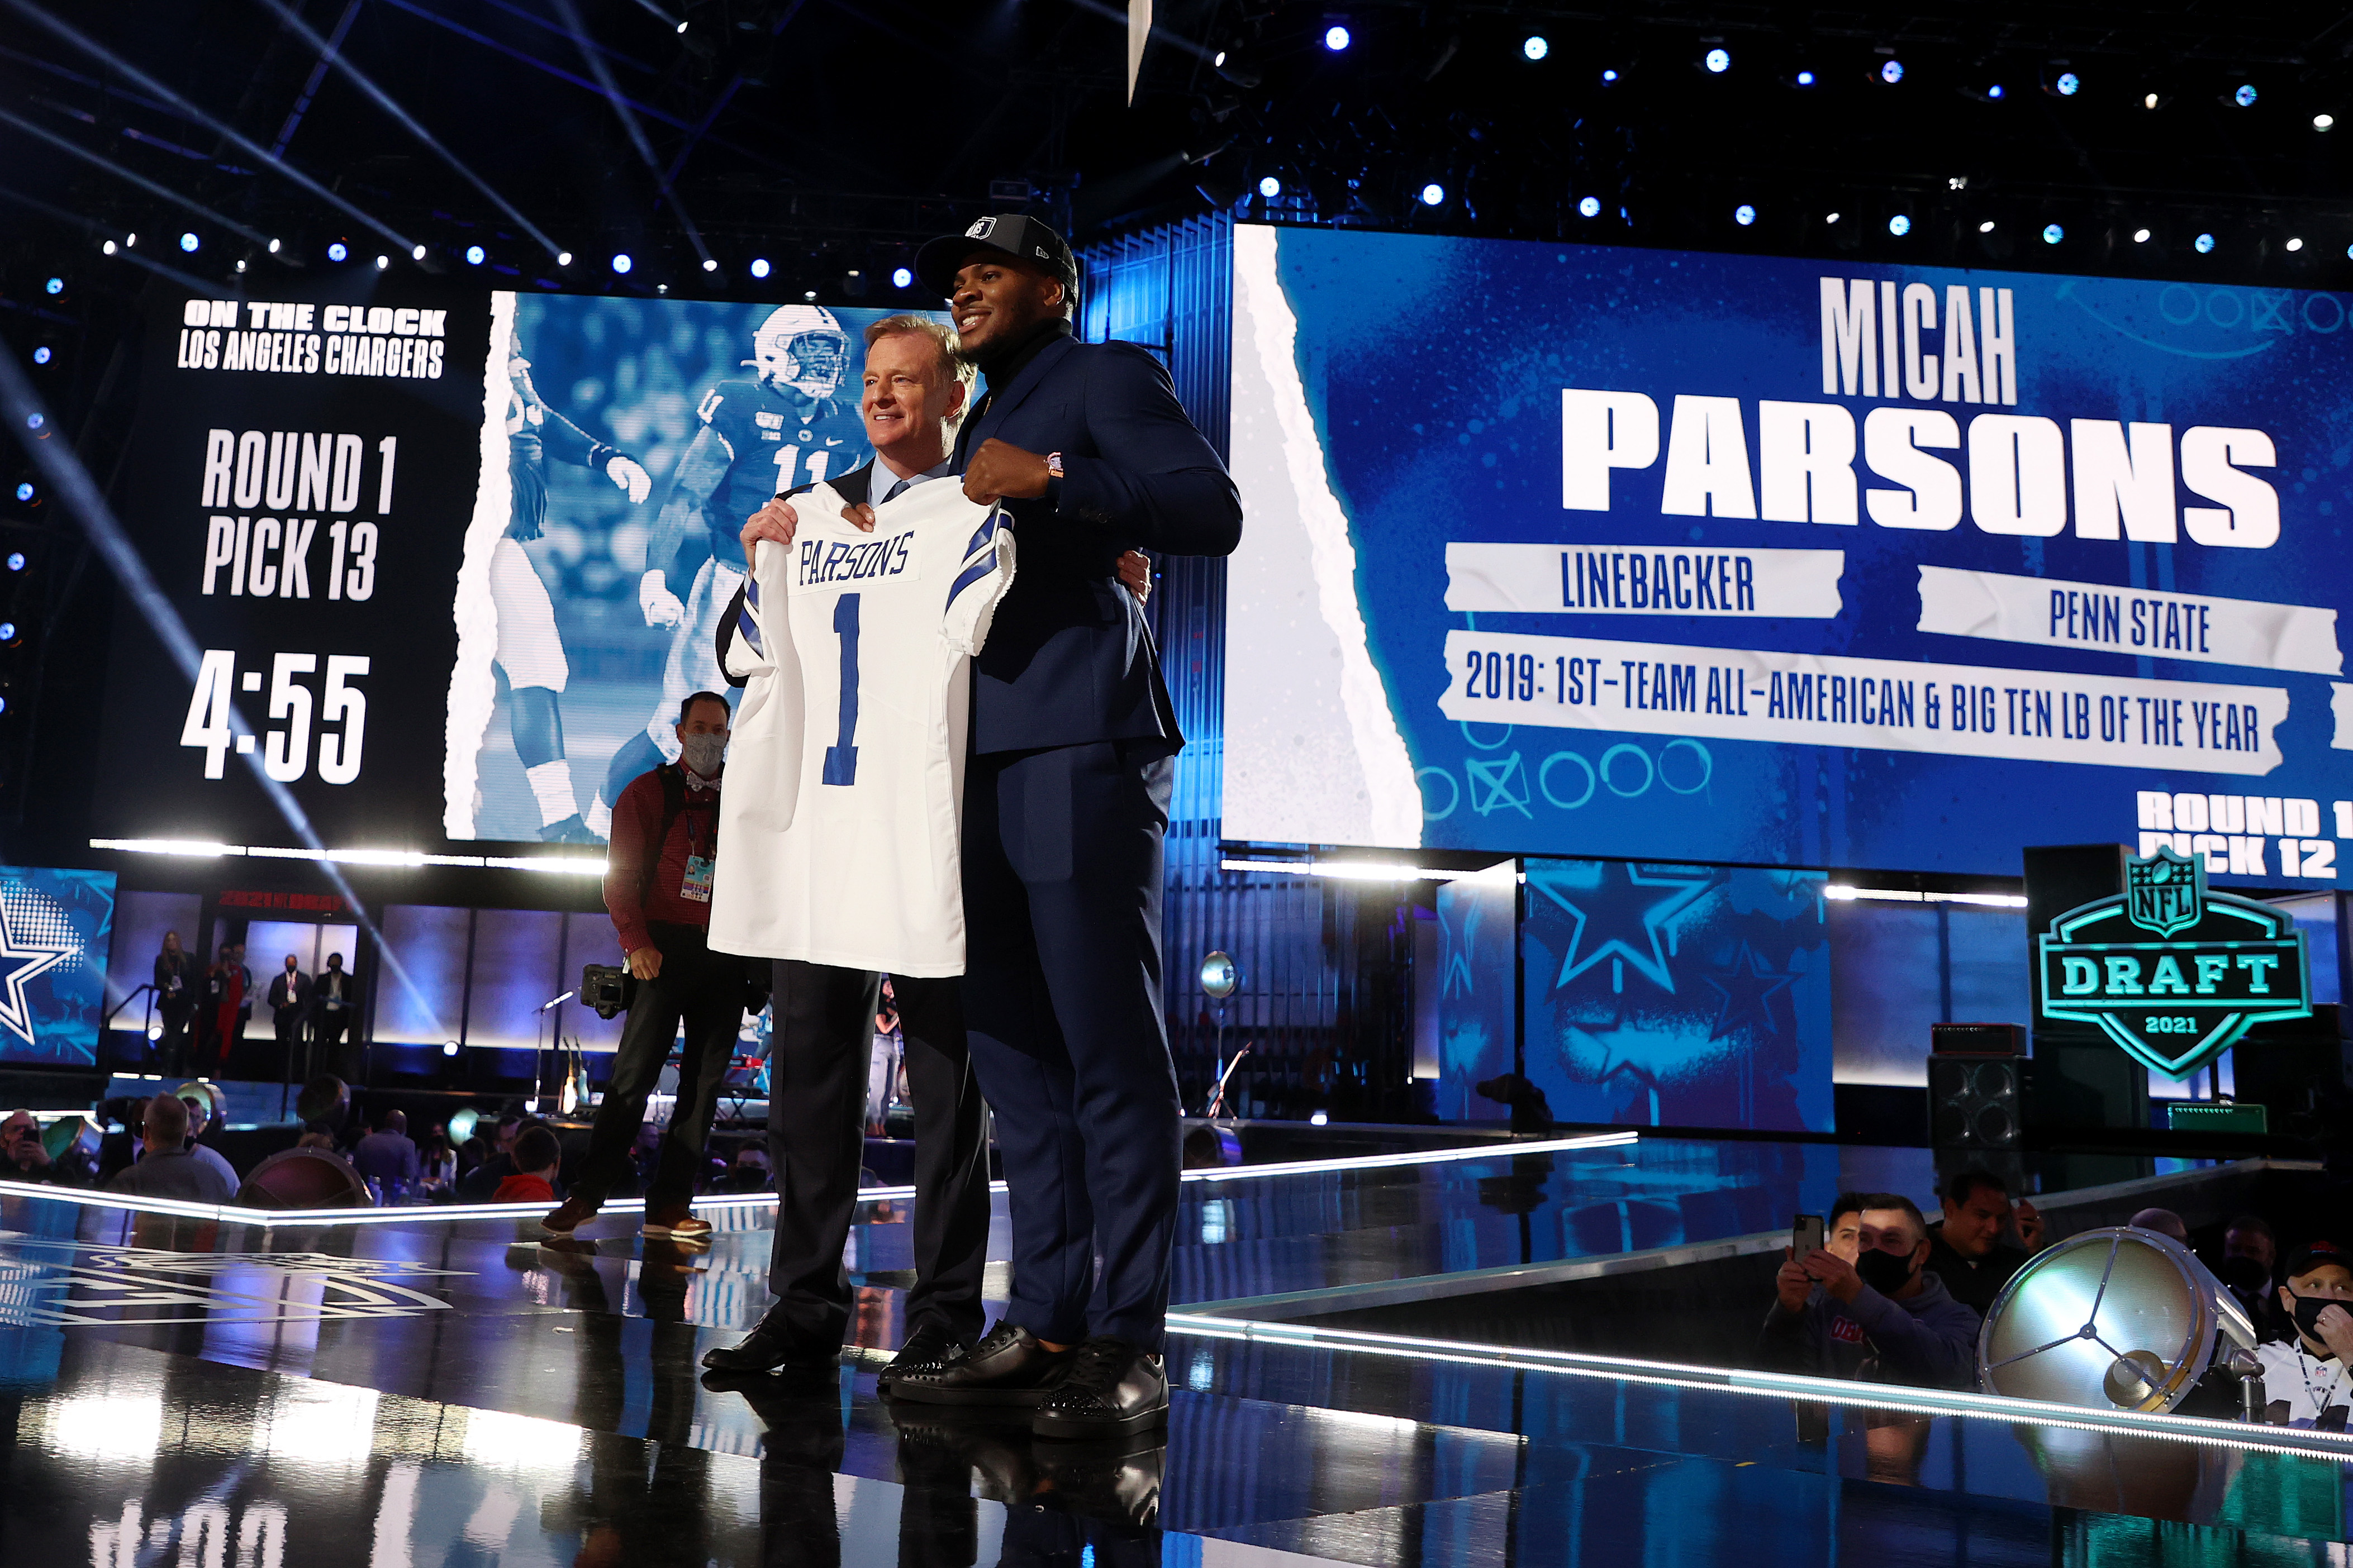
(286, 1025)
(1062, 876)
(327, 1025)
(171, 1045)
(705, 991)
(823, 1041)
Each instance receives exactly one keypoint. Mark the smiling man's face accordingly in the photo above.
(998, 300)
(906, 396)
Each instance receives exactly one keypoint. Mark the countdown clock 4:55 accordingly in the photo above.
(334, 716)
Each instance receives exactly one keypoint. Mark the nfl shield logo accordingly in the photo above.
(2166, 892)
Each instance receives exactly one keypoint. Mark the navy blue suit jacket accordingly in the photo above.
(1068, 658)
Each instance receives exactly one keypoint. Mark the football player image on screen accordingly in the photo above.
(529, 648)
(790, 424)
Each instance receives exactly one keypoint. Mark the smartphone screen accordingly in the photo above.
(1805, 1234)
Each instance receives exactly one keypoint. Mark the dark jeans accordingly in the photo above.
(705, 990)
(823, 1041)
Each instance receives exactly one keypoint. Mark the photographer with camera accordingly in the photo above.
(658, 889)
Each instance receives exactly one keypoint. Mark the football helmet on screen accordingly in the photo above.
(802, 347)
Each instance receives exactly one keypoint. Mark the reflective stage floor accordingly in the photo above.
(422, 1390)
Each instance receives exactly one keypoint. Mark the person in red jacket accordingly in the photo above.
(658, 889)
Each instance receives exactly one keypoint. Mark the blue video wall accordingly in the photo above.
(1567, 550)
(56, 927)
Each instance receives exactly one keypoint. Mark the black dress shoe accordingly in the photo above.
(773, 1346)
(1009, 1367)
(932, 1346)
(1110, 1389)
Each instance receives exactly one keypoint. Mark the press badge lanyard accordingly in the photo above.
(696, 883)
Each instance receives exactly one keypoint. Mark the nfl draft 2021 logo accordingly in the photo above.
(2172, 973)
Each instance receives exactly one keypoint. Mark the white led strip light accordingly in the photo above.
(231, 1213)
(204, 849)
(1778, 1385)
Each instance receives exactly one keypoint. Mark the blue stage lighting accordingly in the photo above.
(473, 256)
(2053, 234)
(1994, 91)
(759, 266)
(1269, 187)
(25, 490)
(1805, 79)
(381, 262)
(1608, 75)
(7, 631)
(2245, 97)
(35, 421)
(1335, 38)
(1717, 61)
(621, 262)
(1536, 47)
(1743, 215)
(450, 1048)
(2069, 84)
(41, 356)
(1891, 72)
(1590, 207)
(188, 242)
(337, 251)
(1899, 225)
(16, 561)
(902, 279)
(2205, 242)
(55, 286)
(1432, 193)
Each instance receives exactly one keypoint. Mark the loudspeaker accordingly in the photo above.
(1976, 1101)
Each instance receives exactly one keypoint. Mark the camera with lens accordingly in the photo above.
(608, 988)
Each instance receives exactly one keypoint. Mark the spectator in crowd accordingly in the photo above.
(24, 1156)
(438, 1167)
(334, 1011)
(290, 1008)
(387, 1155)
(536, 1155)
(2165, 1222)
(482, 1184)
(2249, 1235)
(228, 991)
(165, 1169)
(2304, 1377)
(749, 1170)
(1883, 1316)
(2249, 1254)
(1966, 1248)
(175, 1000)
(200, 1114)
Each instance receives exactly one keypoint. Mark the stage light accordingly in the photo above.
(1591, 206)
(902, 279)
(107, 250)
(1536, 47)
(16, 560)
(416, 252)
(1432, 193)
(1891, 72)
(55, 286)
(2245, 95)
(1743, 215)
(448, 1047)
(1269, 187)
(189, 242)
(7, 631)
(1804, 78)
(25, 490)
(1321, 1119)
(1994, 91)
(2322, 121)
(2141, 237)
(1608, 75)
(709, 265)
(41, 355)
(2150, 100)
(273, 247)
(2295, 245)
(2053, 234)
(2202, 243)
(1899, 225)
(337, 251)
(1335, 38)
(240, 264)
(1717, 61)
(2066, 84)
(1831, 218)
(381, 262)
(473, 256)
(621, 262)
(682, 29)
(1986, 228)
(759, 266)
(1217, 62)
(564, 258)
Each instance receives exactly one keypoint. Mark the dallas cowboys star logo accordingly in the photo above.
(1747, 989)
(21, 960)
(1627, 920)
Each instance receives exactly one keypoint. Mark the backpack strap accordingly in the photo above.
(673, 786)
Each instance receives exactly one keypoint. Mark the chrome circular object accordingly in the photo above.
(2115, 1318)
(1219, 976)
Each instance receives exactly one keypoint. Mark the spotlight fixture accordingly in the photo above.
(16, 561)
(681, 29)
(2322, 121)
(2154, 101)
(2141, 237)
(1589, 206)
(450, 1048)
(759, 266)
(54, 286)
(1899, 225)
(1803, 78)
(107, 250)
(1269, 186)
(1743, 215)
(416, 252)
(1337, 37)
(240, 264)
(1432, 193)
(381, 262)
(2053, 234)
(273, 247)
(1890, 71)
(1829, 217)
(1536, 47)
(1986, 228)
(709, 265)
(1993, 90)
(189, 242)
(564, 258)
(7, 631)
(810, 295)
(25, 490)
(2295, 245)
(2202, 243)
(40, 356)
(2244, 95)
(473, 256)
(1608, 75)
(1717, 60)
(900, 277)
(621, 262)
(337, 251)
(2061, 82)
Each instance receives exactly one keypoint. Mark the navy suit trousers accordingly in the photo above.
(1061, 875)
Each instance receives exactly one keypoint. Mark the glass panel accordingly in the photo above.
(423, 1002)
(515, 956)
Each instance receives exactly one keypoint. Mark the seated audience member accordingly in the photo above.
(323, 1108)
(536, 1155)
(498, 1161)
(2249, 1254)
(1883, 1316)
(2304, 1376)
(436, 1170)
(24, 1156)
(2165, 1222)
(165, 1169)
(199, 1115)
(749, 1172)
(1966, 1249)
(387, 1155)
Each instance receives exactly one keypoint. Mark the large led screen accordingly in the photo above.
(1649, 553)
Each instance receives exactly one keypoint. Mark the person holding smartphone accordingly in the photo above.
(1867, 1309)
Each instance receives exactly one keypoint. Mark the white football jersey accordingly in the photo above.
(840, 827)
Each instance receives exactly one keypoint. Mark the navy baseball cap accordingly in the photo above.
(2319, 1255)
(937, 261)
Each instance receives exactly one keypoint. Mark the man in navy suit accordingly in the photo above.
(1066, 801)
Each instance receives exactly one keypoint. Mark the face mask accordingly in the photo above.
(703, 752)
(2307, 1314)
(1884, 1272)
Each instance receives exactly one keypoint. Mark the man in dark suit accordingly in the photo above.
(335, 1009)
(290, 1008)
(1066, 802)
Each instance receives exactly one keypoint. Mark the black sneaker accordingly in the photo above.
(1110, 1389)
(931, 1346)
(1009, 1367)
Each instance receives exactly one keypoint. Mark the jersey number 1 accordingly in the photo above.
(841, 757)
